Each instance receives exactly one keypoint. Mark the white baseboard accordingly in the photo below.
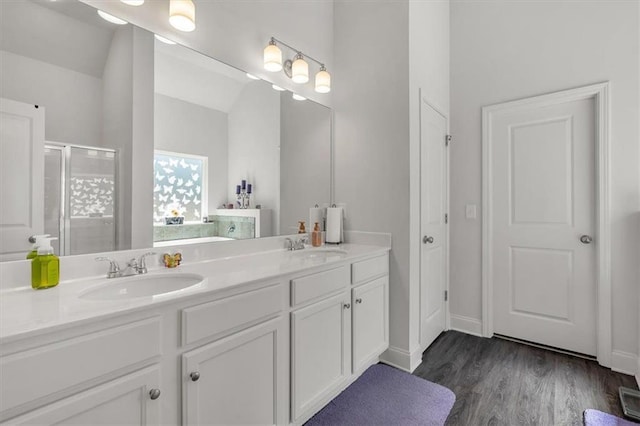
(624, 362)
(402, 359)
(466, 325)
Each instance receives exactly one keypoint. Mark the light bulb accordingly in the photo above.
(111, 18)
(164, 40)
(323, 81)
(300, 70)
(272, 57)
(298, 97)
(182, 15)
(133, 2)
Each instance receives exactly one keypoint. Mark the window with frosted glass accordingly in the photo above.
(179, 186)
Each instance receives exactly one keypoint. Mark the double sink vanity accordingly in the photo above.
(262, 337)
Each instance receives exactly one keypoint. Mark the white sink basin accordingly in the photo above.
(142, 286)
(319, 254)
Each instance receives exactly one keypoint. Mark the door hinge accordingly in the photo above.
(446, 218)
(446, 295)
(447, 140)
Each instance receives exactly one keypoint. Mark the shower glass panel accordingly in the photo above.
(90, 223)
(53, 194)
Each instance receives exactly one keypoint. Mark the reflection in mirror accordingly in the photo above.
(162, 133)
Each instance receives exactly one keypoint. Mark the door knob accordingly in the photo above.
(347, 305)
(586, 239)
(195, 376)
(154, 393)
(428, 240)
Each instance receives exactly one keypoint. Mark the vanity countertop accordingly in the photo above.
(25, 312)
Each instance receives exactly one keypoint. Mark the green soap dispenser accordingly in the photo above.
(34, 249)
(45, 267)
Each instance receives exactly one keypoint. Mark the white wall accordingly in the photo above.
(236, 32)
(505, 50)
(305, 151)
(72, 100)
(254, 146)
(188, 128)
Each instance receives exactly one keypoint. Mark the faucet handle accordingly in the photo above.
(142, 264)
(114, 268)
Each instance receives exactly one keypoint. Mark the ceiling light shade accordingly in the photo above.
(164, 40)
(182, 15)
(298, 97)
(323, 81)
(300, 70)
(272, 57)
(133, 2)
(111, 18)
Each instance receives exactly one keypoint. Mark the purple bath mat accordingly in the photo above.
(384, 395)
(598, 418)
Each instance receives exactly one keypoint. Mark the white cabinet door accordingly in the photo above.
(241, 379)
(124, 401)
(321, 352)
(370, 322)
(21, 177)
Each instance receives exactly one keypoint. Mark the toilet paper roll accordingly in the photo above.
(334, 225)
(316, 214)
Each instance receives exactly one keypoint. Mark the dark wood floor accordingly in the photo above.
(498, 382)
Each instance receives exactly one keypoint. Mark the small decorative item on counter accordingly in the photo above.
(316, 236)
(301, 228)
(174, 218)
(45, 267)
(172, 260)
(243, 194)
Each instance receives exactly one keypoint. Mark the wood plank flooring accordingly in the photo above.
(499, 382)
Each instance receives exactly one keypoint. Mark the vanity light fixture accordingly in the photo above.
(252, 77)
(272, 57)
(111, 18)
(164, 40)
(278, 88)
(182, 15)
(297, 69)
(298, 97)
(133, 2)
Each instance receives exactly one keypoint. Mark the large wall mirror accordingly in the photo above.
(145, 143)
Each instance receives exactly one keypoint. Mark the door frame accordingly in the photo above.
(600, 93)
(447, 320)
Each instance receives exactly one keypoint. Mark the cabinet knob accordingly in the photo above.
(154, 393)
(347, 305)
(358, 300)
(195, 376)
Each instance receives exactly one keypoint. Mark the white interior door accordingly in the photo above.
(433, 207)
(21, 177)
(543, 224)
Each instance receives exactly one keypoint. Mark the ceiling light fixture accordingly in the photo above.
(278, 88)
(133, 2)
(298, 97)
(163, 39)
(111, 18)
(182, 15)
(297, 68)
(252, 77)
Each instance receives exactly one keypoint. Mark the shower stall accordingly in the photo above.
(80, 198)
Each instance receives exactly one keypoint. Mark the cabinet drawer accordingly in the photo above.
(309, 287)
(225, 315)
(371, 268)
(32, 375)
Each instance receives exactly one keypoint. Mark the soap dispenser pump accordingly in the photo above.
(45, 267)
(316, 236)
(34, 249)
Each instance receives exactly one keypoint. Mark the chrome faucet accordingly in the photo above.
(288, 243)
(134, 266)
(300, 242)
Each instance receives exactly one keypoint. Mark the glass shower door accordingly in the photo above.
(90, 220)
